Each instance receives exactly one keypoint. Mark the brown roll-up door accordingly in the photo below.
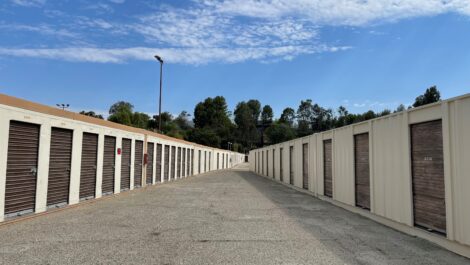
(89, 165)
(291, 165)
(428, 176)
(149, 172)
(199, 162)
(188, 162)
(267, 163)
(138, 158)
(305, 166)
(327, 168)
(184, 163)
(274, 163)
(218, 154)
(361, 169)
(109, 159)
(158, 164)
(22, 164)
(166, 165)
(126, 164)
(178, 166)
(210, 160)
(60, 161)
(281, 167)
(192, 162)
(205, 161)
(173, 162)
(262, 162)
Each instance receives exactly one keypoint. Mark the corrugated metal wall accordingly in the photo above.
(390, 165)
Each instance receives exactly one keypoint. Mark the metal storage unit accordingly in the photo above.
(173, 162)
(166, 164)
(178, 166)
(22, 164)
(362, 170)
(305, 166)
(291, 165)
(89, 165)
(60, 162)
(149, 172)
(158, 164)
(428, 176)
(109, 159)
(138, 159)
(192, 161)
(327, 168)
(183, 163)
(281, 166)
(126, 164)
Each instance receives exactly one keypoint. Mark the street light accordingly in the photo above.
(160, 101)
(63, 106)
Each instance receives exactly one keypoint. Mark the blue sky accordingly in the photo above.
(360, 54)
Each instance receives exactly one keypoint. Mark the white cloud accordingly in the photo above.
(29, 3)
(117, 1)
(41, 29)
(172, 55)
(340, 12)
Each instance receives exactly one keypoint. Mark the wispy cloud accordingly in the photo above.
(29, 3)
(41, 29)
(226, 31)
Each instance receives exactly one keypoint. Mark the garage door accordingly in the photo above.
(192, 162)
(173, 162)
(178, 166)
(166, 164)
(60, 161)
(126, 164)
(361, 169)
(149, 172)
(305, 166)
(205, 161)
(327, 168)
(108, 164)
(291, 165)
(274, 163)
(262, 162)
(428, 176)
(138, 159)
(184, 162)
(199, 162)
(210, 153)
(88, 166)
(22, 164)
(158, 164)
(281, 167)
(188, 163)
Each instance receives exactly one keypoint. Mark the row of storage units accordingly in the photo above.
(409, 170)
(51, 158)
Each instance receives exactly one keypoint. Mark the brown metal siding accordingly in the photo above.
(173, 162)
(361, 169)
(267, 162)
(88, 165)
(149, 172)
(60, 161)
(184, 163)
(218, 156)
(274, 163)
(291, 165)
(158, 164)
(305, 166)
(327, 168)
(126, 164)
(281, 166)
(178, 166)
(205, 161)
(199, 162)
(109, 164)
(262, 162)
(138, 159)
(22, 164)
(166, 164)
(428, 176)
(210, 160)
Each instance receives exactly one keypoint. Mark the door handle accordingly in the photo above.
(34, 171)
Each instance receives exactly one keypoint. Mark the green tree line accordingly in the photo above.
(251, 125)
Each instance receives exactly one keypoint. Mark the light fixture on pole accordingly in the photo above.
(63, 106)
(160, 100)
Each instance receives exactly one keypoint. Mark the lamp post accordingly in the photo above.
(63, 106)
(160, 100)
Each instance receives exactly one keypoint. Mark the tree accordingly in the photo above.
(183, 121)
(140, 120)
(267, 115)
(255, 107)
(431, 95)
(304, 117)
(343, 116)
(246, 131)
(204, 136)
(92, 114)
(280, 132)
(288, 116)
(400, 108)
(121, 112)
